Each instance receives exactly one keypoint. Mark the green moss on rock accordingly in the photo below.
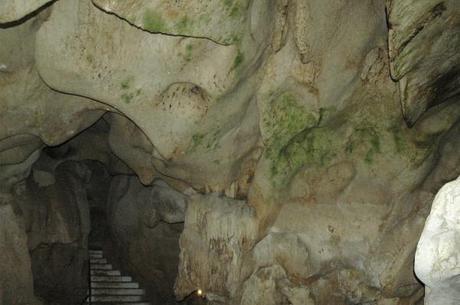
(206, 141)
(287, 124)
(188, 52)
(284, 119)
(183, 24)
(127, 97)
(239, 58)
(125, 84)
(153, 21)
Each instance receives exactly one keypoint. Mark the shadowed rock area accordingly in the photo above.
(243, 152)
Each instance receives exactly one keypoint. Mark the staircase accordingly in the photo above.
(109, 287)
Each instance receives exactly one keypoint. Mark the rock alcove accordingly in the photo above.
(231, 151)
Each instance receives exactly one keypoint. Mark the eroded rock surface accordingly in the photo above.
(277, 123)
(221, 231)
(437, 261)
(146, 223)
(12, 10)
(57, 224)
(15, 268)
(423, 48)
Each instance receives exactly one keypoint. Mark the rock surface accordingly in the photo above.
(277, 123)
(146, 223)
(15, 267)
(12, 10)
(423, 48)
(222, 232)
(57, 225)
(437, 260)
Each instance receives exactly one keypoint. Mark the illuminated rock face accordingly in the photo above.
(427, 75)
(437, 260)
(307, 138)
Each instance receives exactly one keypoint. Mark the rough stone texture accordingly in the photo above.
(224, 21)
(130, 144)
(12, 10)
(283, 123)
(437, 260)
(31, 114)
(57, 225)
(140, 220)
(16, 286)
(208, 113)
(423, 48)
(222, 231)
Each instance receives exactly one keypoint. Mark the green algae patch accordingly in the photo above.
(367, 139)
(128, 92)
(127, 97)
(197, 140)
(183, 24)
(287, 125)
(284, 119)
(312, 147)
(208, 141)
(239, 58)
(153, 21)
(407, 148)
(188, 52)
(126, 83)
(234, 8)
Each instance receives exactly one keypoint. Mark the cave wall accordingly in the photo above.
(309, 137)
(16, 267)
(145, 223)
(53, 201)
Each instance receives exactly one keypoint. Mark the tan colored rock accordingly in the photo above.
(281, 119)
(423, 48)
(224, 22)
(31, 114)
(12, 10)
(217, 116)
(15, 265)
(131, 145)
(218, 236)
(262, 287)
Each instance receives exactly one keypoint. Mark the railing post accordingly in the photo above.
(89, 279)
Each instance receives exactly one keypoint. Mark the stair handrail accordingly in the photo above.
(89, 280)
(88, 295)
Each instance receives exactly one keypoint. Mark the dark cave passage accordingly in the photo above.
(76, 204)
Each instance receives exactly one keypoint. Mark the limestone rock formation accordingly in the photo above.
(57, 225)
(15, 268)
(222, 231)
(175, 114)
(224, 22)
(12, 10)
(146, 223)
(260, 152)
(437, 261)
(423, 48)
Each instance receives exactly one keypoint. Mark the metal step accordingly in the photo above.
(106, 272)
(90, 251)
(114, 285)
(101, 267)
(117, 298)
(110, 279)
(98, 260)
(91, 256)
(117, 291)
